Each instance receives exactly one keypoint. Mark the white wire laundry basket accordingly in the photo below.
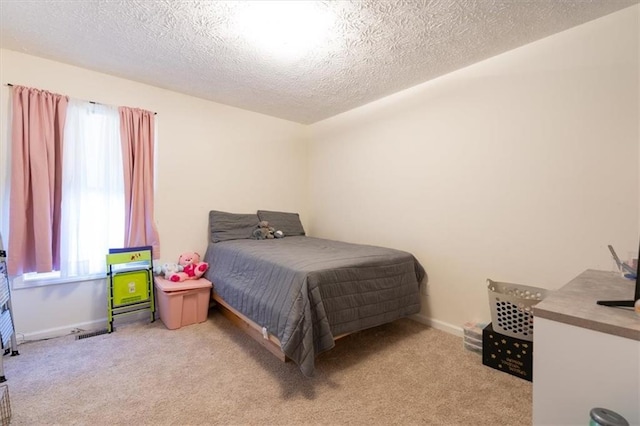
(511, 308)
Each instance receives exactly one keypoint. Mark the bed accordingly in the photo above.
(299, 293)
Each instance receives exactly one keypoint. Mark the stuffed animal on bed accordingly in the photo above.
(264, 231)
(192, 267)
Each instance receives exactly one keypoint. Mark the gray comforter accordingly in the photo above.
(307, 290)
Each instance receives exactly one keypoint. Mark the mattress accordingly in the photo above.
(307, 290)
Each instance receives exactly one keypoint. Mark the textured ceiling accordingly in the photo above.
(373, 49)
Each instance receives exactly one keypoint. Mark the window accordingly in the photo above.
(93, 195)
(92, 187)
(82, 181)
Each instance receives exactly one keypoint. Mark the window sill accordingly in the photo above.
(20, 283)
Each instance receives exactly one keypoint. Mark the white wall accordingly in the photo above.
(521, 168)
(210, 156)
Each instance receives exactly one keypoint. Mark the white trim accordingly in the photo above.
(20, 282)
(102, 323)
(439, 325)
(61, 331)
(83, 327)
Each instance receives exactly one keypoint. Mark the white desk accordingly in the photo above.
(586, 355)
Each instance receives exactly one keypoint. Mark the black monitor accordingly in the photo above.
(636, 294)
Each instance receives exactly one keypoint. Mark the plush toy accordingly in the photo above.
(168, 269)
(264, 231)
(165, 269)
(157, 267)
(192, 267)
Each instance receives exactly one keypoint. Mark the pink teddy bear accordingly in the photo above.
(193, 268)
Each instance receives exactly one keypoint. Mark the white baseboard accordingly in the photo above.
(439, 325)
(51, 333)
(88, 326)
(102, 323)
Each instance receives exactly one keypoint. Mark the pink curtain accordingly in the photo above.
(37, 132)
(137, 133)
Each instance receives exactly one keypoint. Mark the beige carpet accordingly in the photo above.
(211, 373)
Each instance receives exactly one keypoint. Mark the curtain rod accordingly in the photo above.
(91, 102)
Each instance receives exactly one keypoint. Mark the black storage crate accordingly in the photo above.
(508, 354)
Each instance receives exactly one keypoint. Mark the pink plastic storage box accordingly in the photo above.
(182, 303)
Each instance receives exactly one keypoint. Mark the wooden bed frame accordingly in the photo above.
(268, 340)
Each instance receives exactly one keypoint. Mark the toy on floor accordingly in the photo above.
(192, 267)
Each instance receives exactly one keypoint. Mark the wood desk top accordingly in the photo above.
(575, 304)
